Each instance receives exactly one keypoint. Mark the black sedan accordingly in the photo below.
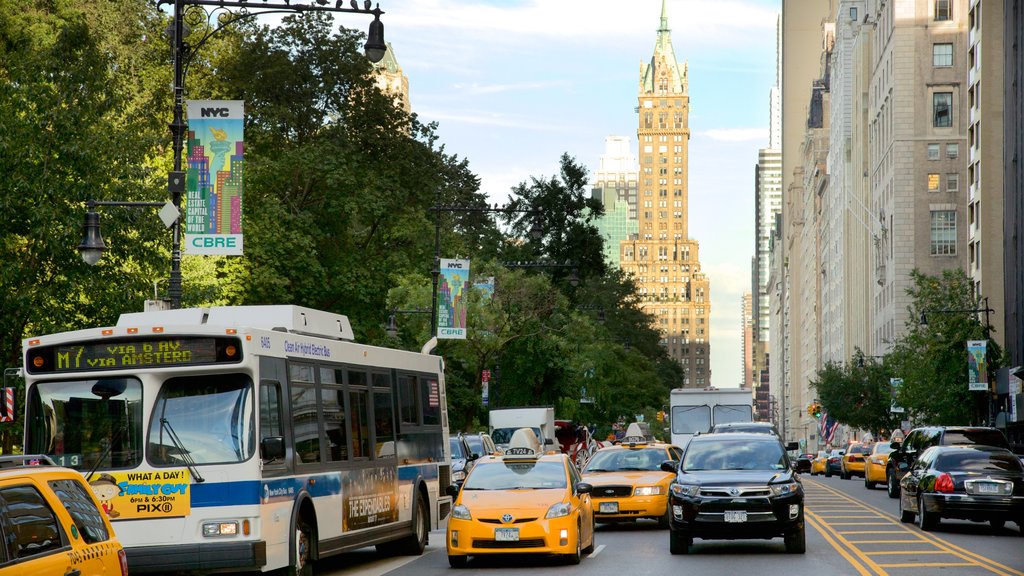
(735, 486)
(978, 483)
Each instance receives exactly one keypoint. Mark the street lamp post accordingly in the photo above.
(182, 53)
(392, 328)
(438, 208)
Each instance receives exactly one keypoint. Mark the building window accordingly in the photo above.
(942, 109)
(853, 13)
(933, 182)
(943, 10)
(933, 151)
(952, 182)
(942, 55)
(952, 150)
(943, 232)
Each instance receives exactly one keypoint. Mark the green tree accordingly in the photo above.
(932, 358)
(857, 393)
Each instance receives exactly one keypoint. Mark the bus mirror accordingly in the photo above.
(272, 448)
(793, 446)
(107, 388)
(452, 490)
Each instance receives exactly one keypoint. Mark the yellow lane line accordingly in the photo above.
(847, 545)
(929, 564)
(897, 552)
(845, 532)
(979, 560)
(838, 548)
(915, 540)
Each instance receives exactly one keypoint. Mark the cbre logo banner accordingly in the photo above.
(215, 188)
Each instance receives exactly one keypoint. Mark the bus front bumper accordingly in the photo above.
(251, 555)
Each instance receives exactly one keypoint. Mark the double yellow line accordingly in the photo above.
(826, 514)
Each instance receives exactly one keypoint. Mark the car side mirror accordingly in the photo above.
(272, 448)
(895, 444)
(452, 490)
(669, 466)
(584, 488)
(793, 446)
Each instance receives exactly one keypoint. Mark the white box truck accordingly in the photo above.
(505, 421)
(696, 410)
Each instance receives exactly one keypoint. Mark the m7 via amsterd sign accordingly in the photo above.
(214, 185)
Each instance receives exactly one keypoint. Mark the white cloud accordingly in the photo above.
(736, 134)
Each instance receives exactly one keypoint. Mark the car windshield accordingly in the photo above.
(517, 475)
(456, 448)
(978, 461)
(87, 423)
(733, 454)
(614, 460)
(882, 448)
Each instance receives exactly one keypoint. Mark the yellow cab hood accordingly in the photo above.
(485, 503)
(631, 477)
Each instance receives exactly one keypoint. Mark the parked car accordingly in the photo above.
(852, 463)
(52, 523)
(462, 458)
(480, 444)
(834, 463)
(874, 463)
(978, 483)
(919, 439)
(735, 486)
(818, 464)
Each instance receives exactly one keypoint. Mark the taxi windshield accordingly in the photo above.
(512, 475)
(616, 460)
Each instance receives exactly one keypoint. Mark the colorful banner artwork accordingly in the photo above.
(486, 288)
(133, 495)
(977, 365)
(894, 390)
(451, 301)
(214, 184)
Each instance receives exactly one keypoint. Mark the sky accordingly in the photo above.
(514, 84)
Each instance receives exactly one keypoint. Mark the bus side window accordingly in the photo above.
(360, 428)
(431, 401)
(407, 401)
(304, 413)
(332, 399)
(383, 419)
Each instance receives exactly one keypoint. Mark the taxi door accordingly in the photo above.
(582, 503)
(94, 548)
(34, 540)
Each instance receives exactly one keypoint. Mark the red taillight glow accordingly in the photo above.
(124, 562)
(944, 483)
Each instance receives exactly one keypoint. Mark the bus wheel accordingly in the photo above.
(302, 563)
(413, 544)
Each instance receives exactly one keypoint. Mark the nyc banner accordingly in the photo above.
(214, 189)
(451, 301)
(977, 365)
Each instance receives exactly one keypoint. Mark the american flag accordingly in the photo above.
(827, 427)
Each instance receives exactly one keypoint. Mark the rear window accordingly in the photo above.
(982, 437)
(82, 509)
(858, 449)
(882, 448)
(978, 461)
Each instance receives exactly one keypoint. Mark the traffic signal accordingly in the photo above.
(814, 410)
(661, 416)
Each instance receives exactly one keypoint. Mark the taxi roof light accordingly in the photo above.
(523, 444)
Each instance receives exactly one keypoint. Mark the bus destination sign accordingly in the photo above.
(133, 354)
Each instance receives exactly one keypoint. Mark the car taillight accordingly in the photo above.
(124, 562)
(944, 483)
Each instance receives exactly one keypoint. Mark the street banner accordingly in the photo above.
(7, 405)
(485, 381)
(977, 365)
(486, 288)
(214, 185)
(451, 301)
(894, 390)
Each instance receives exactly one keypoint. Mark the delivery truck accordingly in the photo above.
(696, 410)
(505, 421)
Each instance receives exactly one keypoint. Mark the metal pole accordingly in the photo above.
(178, 128)
(437, 265)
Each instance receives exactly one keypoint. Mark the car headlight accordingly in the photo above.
(558, 510)
(681, 490)
(459, 475)
(647, 491)
(784, 489)
(461, 512)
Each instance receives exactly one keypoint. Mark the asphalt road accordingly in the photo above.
(850, 530)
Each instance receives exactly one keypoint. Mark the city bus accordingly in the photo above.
(244, 438)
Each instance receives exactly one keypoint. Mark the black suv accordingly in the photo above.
(904, 453)
(735, 486)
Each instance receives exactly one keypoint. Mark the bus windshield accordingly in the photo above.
(205, 419)
(85, 423)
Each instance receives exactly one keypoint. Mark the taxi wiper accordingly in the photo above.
(598, 470)
(633, 469)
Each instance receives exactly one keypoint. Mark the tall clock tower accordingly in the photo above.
(663, 259)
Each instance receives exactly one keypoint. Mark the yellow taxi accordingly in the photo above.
(628, 482)
(524, 501)
(853, 461)
(874, 463)
(819, 463)
(52, 524)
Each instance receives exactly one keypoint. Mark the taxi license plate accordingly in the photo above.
(609, 508)
(988, 488)
(735, 516)
(506, 534)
